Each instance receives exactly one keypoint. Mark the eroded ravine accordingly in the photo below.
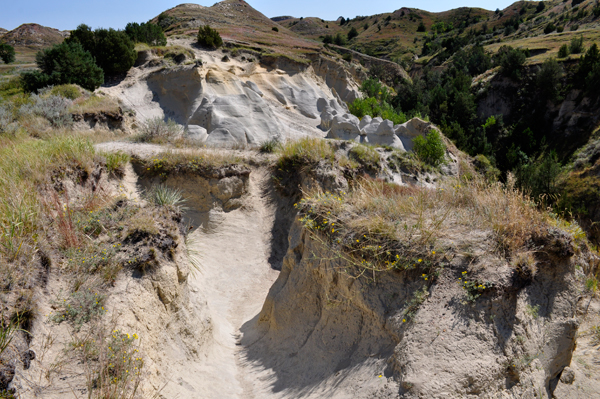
(235, 278)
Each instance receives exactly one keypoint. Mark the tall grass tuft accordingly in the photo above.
(162, 195)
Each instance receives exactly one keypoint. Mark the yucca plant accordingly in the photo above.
(162, 195)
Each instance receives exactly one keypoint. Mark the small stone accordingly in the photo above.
(567, 376)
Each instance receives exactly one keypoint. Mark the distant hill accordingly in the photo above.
(282, 18)
(237, 21)
(33, 36)
(395, 35)
(2, 31)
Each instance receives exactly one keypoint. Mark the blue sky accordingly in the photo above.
(67, 14)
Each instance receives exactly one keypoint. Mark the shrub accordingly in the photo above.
(347, 57)
(421, 27)
(540, 7)
(372, 107)
(209, 37)
(339, 40)
(352, 34)
(7, 53)
(430, 149)
(548, 78)
(563, 52)
(157, 130)
(539, 176)
(328, 39)
(549, 28)
(66, 63)
(275, 29)
(148, 33)
(576, 46)
(54, 108)
(511, 61)
(79, 308)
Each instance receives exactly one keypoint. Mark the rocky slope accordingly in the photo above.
(33, 35)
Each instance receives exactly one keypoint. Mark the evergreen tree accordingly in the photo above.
(7, 53)
(64, 63)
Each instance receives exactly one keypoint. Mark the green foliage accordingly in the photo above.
(69, 91)
(366, 156)
(533, 311)
(116, 161)
(549, 28)
(548, 78)
(275, 29)
(347, 57)
(563, 52)
(79, 308)
(576, 46)
(589, 71)
(65, 63)
(539, 177)
(7, 53)
(473, 289)
(162, 195)
(540, 7)
(339, 40)
(269, 146)
(376, 103)
(430, 149)
(352, 34)
(421, 27)
(156, 130)
(511, 61)
(209, 37)
(373, 107)
(148, 33)
(591, 284)
(484, 166)
(113, 50)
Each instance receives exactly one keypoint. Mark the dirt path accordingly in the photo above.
(235, 278)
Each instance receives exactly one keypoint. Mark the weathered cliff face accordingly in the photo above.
(512, 342)
(227, 100)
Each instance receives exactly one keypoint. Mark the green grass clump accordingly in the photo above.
(305, 151)
(269, 146)
(201, 162)
(366, 156)
(69, 91)
(116, 161)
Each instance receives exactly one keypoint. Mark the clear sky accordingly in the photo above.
(67, 14)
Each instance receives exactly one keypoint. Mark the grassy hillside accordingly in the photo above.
(396, 35)
(236, 21)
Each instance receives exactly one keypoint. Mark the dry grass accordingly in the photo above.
(95, 104)
(391, 227)
(199, 161)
